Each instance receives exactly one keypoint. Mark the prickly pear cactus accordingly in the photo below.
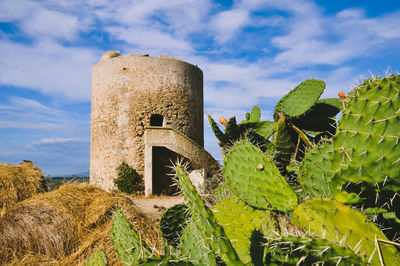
(263, 128)
(97, 259)
(255, 114)
(315, 170)
(240, 222)
(129, 248)
(194, 247)
(366, 160)
(205, 221)
(223, 140)
(301, 99)
(285, 143)
(340, 223)
(163, 261)
(254, 178)
(172, 223)
(308, 251)
(320, 117)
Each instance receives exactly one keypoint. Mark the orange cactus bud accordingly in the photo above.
(342, 95)
(222, 120)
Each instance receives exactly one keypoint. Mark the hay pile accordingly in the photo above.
(18, 182)
(66, 226)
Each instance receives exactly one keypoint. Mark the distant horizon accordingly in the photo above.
(252, 52)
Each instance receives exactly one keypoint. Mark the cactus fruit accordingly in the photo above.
(308, 251)
(314, 171)
(206, 222)
(265, 188)
(340, 223)
(301, 99)
(195, 248)
(240, 221)
(366, 146)
(97, 259)
(172, 223)
(222, 120)
(129, 248)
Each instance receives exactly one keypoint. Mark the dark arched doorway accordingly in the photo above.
(162, 179)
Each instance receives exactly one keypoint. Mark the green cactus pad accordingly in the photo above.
(308, 251)
(163, 261)
(206, 222)
(255, 114)
(240, 221)
(315, 170)
(336, 222)
(254, 178)
(366, 160)
(264, 128)
(285, 143)
(301, 99)
(129, 248)
(320, 117)
(172, 223)
(232, 130)
(195, 248)
(97, 259)
(218, 133)
(222, 192)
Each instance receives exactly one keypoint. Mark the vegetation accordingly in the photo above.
(128, 179)
(305, 190)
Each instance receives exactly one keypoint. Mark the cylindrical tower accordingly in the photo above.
(134, 91)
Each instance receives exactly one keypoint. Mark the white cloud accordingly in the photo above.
(19, 103)
(332, 40)
(51, 24)
(55, 140)
(15, 10)
(48, 67)
(150, 39)
(227, 23)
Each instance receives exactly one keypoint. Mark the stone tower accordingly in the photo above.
(146, 111)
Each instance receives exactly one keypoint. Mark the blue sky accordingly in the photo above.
(251, 52)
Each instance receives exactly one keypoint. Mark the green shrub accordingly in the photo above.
(128, 178)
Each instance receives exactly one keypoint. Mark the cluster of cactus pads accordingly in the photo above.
(324, 207)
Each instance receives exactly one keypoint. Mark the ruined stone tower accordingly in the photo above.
(146, 111)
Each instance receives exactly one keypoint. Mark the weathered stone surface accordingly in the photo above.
(126, 92)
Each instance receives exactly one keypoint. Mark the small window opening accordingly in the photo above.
(156, 120)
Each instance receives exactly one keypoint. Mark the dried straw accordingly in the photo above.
(66, 226)
(18, 182)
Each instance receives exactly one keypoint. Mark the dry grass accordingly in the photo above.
(18, 182)
(66, 226)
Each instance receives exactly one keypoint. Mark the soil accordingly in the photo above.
(155, 206)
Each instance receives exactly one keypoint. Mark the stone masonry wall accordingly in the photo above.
(126, 91)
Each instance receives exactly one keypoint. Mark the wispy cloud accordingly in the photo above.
(54, 141)
(48, 67)
(227, 23)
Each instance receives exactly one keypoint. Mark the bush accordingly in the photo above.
(127, 180)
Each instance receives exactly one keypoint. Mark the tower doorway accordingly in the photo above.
(162, 172)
